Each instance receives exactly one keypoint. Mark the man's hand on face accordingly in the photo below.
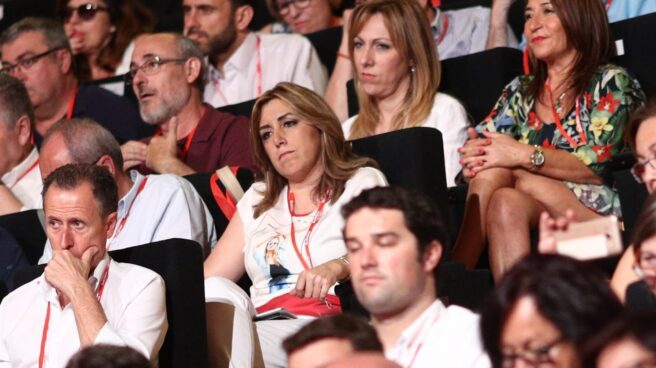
(67, 273)
(163, 150)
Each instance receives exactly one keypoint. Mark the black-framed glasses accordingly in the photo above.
(85, 12)
(538, 357)
(150, 67)
(284, 5)
(639, 168)
(25, 63)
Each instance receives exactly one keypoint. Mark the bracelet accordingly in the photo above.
(344, 259)
(343, 55)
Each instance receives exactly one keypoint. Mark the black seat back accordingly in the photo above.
(635, 39)
(326, 42)
(27, 229)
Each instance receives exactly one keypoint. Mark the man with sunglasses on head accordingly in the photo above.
(243, 64)
(167, 74)
(37, 52)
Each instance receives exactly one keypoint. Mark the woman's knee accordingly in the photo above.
(220, 289)
(506, 208)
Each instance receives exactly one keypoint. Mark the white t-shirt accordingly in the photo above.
(282, 58)
(441, 337)
(270, 259)
(24, 181)
(450, 118)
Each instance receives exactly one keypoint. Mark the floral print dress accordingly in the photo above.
(611, 96)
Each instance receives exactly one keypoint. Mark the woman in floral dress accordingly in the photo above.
(546, 143)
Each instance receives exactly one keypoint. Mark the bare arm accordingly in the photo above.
(624, 275)
(8, 201)
(336, 95)
(498, 34)
(227, 258)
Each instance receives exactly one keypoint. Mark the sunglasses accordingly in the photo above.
(85, 12)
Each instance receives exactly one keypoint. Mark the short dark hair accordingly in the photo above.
(71, 176)
(639, 326)
(355, 329)
(638, 117)
(86, 141)
(14, 101)
(572, 295)
(108, 356)
(420, 215)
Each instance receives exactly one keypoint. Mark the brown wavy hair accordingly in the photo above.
(412, 37)
(585, 23)
(131, 18)
(339, 162)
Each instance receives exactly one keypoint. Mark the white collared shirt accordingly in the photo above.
(167, 207)
(27, 189)
(441, 337)
(133, 301)
(466, 31)
(282, 57)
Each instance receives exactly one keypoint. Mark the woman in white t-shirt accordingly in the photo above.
(397, 77)
(287, 232)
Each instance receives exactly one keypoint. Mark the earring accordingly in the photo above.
(412, 69)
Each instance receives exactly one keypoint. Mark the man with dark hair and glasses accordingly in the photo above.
(167, 74)
(37, 52)
(394, 241)
(243, 64)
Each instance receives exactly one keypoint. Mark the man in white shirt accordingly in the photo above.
(151, 208)
(245, 64)
(83, 297)
(20, 187)
(394, 240)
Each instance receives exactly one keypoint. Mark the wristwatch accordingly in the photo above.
(537, 157)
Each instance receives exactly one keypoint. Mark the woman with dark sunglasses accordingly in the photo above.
(101, 33)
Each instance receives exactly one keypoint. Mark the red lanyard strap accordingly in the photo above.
(71, 105)
(188, 140)
(306, 239)
(445, 28)
(559, 124)
(46, 323)
(121, 225)
(225, 202)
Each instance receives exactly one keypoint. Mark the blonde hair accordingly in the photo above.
(339, 162)
(412, 37)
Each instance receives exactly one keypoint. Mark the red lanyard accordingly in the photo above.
(188, 140)
(44, 336)
(71, 105)
(225, 202)
(21, 176)
(121, 225)
(608, 4)
(559, 123)
(258, 72)
(445, 28)
(315, 220)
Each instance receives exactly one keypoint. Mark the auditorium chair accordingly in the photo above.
(180, 263)
(635, 39)
(476, 80)
(28, 229)
(243, 108)
(327, 42)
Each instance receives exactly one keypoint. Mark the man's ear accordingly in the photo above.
(432, 255)
(243, 17)
(24, 128)
(65, 61)
(107, 162)
(110, 224)
(192, 69)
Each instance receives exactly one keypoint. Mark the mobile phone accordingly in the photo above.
(274, 314)
(592, 239)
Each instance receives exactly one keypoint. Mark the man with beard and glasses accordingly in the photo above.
(168, 75)
(245, 64)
